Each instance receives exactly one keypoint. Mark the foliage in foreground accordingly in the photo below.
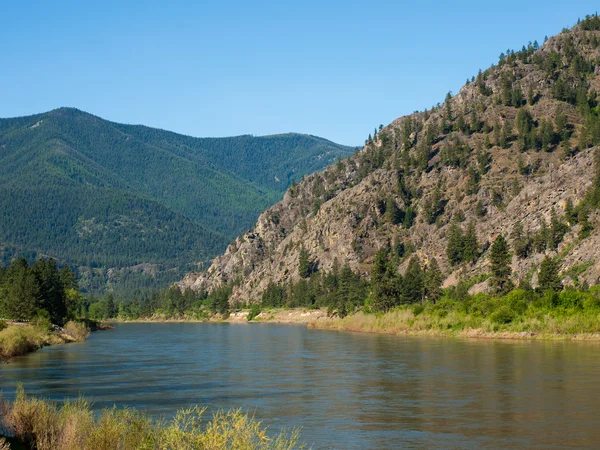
(74, 426)
(569, 312)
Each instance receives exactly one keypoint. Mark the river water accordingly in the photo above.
(346, 390)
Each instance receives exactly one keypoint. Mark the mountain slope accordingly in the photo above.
(514, 147)
(98, 194)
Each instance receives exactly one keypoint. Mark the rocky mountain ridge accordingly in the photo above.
(515, 147)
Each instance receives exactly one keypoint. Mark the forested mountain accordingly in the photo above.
(130, 204)
(510, 160)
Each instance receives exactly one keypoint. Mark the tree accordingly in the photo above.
(500, 266)
(413, 281)
(470, 246)
(454, 246)
(520, 241)
(548, 278)
(51, 297)
(20, 291)
(433, 281)
(393, 213)
(524, 127)
(304, 265)
(557, 231)
(385, 283)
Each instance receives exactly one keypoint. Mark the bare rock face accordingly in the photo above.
(444, 171)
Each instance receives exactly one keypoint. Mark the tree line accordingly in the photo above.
(41, 289)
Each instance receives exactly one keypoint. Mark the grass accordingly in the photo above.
(17, 340)
(520, 314)
(74, 426)
(77, 330)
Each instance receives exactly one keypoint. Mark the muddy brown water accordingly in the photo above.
(346, 390)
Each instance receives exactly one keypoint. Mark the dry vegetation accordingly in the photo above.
(19, 339)
(74, 426)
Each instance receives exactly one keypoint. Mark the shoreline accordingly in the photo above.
(19, 339)
(467, 333)
(319, 320)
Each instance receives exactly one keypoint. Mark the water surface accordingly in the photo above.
(346, 390)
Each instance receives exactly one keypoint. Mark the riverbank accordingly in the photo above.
(301, 316)
(458, 321)
(21, 338)
(74, 425)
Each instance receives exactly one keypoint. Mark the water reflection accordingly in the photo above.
(346, 390)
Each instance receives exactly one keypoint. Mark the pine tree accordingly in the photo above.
(393, 213)
(20, 291)
(304, 265)
(500, 266)
(520, 241)
(557, 231)
(51, 297)
(454, 247)
(548, 278)
(413, 284)
(433, 281)
(385, 283)
(470, 246)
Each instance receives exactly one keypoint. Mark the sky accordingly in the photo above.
(335, 69)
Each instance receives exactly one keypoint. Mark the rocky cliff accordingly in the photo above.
(515, 147)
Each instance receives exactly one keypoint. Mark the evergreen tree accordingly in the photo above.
(413, 283)
(470, 246)
(557, 231)
(548, 278)
(304, 265)
(20, 291)
(520, 241)
(393, 213)
(454, 247)
(385, 283)
(500, 266)
(51, 297)
(433, 281)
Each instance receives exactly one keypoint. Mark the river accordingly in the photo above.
(346, 390)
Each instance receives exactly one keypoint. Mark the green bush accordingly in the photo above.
(3, 325)
(42, 322)
(571, 299)
(483, 306)
(503, 315)
(255, 310)
(518, 300)
(418, 309)
(591, 302)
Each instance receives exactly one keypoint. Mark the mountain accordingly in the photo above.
(127, 202)
(512, 153)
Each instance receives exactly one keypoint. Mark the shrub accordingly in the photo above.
(20, 339)
(518, 300)
(42, 322)
(503, 315)
(255, 310)
(418, 309)
(3, 325)
(591, 302)
(571, 299)
(77, 330)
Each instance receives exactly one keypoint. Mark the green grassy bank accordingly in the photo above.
(520, 314)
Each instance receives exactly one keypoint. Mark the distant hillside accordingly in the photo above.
(100, 195)
(512, 153)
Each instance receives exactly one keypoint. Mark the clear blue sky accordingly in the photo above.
(330, 68)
